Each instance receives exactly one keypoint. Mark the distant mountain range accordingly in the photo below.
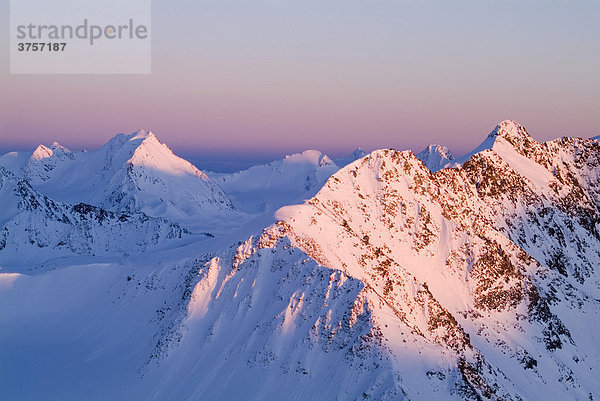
(381, 276)
(130, 173)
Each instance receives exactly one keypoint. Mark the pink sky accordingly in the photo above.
(329, 75)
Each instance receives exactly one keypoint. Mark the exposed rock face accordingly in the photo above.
(495, 262)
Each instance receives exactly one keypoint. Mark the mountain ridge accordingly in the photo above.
(392, 280)
(36, 228)
(340, 232)
(130, 173)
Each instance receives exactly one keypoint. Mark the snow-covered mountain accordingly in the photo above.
(34, 228)
(478, 282)
(503, 140)
(492, 264)
(131, 173)
(39, 165)
(44, 160)
(267, 187)
(435, 157)
(391, 282)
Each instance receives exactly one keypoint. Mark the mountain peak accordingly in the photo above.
(358, 153)
(141, 136)
(44, 152)
(59, 150)
(438, 149)
(325, 161)
(435, 157)
(132, 141)
(511, 131)
(508, 136)
(41, 152)
(151, 152)
(130, 147)
(311, 156)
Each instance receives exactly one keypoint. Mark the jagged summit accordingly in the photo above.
(142, 173)
(136, 137)
(498, 244)
(57, 147)
(510, 129)
(435, 157)
(507, 137)
(44, 152)
(128, 143)
(143, 148)
(44, 161)
(514, 133)
(150, 152)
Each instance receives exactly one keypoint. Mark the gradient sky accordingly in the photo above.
(269, 76)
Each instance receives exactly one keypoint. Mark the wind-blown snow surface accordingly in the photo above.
(392, 282)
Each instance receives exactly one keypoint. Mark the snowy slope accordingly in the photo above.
(267, 187)
(34, 228)
(85, 331)
(266, 322)
(435, 157)
(14, 161)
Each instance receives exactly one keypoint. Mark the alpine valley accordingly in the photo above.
(129, 274)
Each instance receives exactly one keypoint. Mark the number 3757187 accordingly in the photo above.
(40, 47)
